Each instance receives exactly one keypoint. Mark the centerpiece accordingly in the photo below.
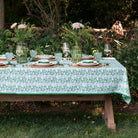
(21, 34)
(75, 34)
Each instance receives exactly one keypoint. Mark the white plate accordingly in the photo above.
(108, 58)
(2, 57)
(90, 57)
(88, 64)
(45, 56)
(2, 64)
(43, 64)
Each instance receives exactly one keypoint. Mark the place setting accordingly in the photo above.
(43, 64)
(44, 61)
(88, 63)
(4, 57)
(9, 56)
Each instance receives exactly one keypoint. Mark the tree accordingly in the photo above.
(1, 14)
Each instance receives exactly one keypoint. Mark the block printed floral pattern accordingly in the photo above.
(66, 80)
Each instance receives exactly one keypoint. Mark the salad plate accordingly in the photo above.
(2, 57)
(2, 64)
(88, 63)
(45, 56)
(87, 57)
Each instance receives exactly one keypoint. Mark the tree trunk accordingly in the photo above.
(1, 14)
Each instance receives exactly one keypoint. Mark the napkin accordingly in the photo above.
(43, 61)
(88, 61)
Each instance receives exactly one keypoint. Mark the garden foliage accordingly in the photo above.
(51, 13)
(127, 54)
(5, 41)
(53, 16)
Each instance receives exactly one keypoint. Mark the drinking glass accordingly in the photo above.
(33, 54)
(9, 56)
(107, 49)
(58, 57)
(98, 56)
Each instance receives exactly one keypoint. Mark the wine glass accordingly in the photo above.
(66, 49)
(107, 49)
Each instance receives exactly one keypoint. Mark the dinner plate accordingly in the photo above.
(2, 57)
(88, 63)
(45, 56)
(2, 64)
(43, 64)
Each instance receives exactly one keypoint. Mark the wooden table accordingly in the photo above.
(24, 83)
(108, 108)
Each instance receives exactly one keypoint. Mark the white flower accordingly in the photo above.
(22, 26)
(13, 25)
(77, 25)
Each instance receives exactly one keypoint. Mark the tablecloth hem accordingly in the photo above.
(126, 98)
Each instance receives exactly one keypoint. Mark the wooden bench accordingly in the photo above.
(108, 108)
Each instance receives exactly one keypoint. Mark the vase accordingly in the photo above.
(76, 54)
(21, 53)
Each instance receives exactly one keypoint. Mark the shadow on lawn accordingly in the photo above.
(65, 124)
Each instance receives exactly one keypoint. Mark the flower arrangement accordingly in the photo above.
(22, 32)
(76, 32)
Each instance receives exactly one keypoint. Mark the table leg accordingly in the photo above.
(108, 113)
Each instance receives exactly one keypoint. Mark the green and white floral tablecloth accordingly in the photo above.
(67, 80)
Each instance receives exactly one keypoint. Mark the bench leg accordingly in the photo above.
(108, 113)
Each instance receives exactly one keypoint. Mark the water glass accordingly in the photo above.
(58, 57)
(98, 56)
(9, 56)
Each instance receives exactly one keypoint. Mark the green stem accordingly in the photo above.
(76, 43)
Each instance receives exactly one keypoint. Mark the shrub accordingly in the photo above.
(5, 41)
(126, 54)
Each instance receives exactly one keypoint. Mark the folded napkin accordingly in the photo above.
(43, 61)
(88, 61)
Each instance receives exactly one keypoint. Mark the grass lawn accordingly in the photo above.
(62, 124)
